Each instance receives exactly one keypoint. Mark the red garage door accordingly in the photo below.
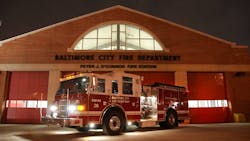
(27, 99)
(152, 77)
(207, 98)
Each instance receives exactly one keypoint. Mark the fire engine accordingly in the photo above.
(116, 100)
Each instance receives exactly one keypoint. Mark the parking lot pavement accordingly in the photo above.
(190, 132)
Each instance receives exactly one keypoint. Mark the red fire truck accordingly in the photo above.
(115, 100)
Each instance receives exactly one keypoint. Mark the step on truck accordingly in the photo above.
(115, 100)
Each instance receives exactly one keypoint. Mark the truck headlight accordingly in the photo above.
(72, 108)
(53, 108)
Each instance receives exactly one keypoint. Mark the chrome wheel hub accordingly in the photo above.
(115, 123)
(171, 119)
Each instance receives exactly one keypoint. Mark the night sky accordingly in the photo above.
(226, 19)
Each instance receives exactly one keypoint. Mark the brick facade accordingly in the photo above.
(198, 51)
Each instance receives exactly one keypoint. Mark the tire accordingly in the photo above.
(114, 123)
(171, 120)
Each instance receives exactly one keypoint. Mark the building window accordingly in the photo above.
(114, 87)
(42, 103)
(118, 37)
(21, 103)
(100, 85)
(32, 104)
(127, 85)
(207, 103)
(26, 104)
(12, 103)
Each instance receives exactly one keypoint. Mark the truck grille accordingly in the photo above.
(62, 108)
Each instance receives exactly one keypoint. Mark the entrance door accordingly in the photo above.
(27, 99)
(207, 97)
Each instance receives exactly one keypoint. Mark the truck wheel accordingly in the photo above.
(114, 123)
(171, 120)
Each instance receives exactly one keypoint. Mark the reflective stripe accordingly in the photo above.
(161, 112)
(179, 112)
(183, 112)
(98, 113)
(90, 113)
(133, 113)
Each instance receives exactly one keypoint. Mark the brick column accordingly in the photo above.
(181, 80)
(231, 96)
(3, 93)
(54, 76)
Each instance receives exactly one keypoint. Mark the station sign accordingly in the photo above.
(119, 57)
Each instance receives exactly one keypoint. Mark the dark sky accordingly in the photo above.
(226, 19)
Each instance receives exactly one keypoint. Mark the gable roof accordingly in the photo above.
(126, 9)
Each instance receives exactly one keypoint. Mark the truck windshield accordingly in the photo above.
(74, 86)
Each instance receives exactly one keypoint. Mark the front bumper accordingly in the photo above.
(64, 122)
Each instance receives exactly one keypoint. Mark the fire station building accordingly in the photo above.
(215, 72)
